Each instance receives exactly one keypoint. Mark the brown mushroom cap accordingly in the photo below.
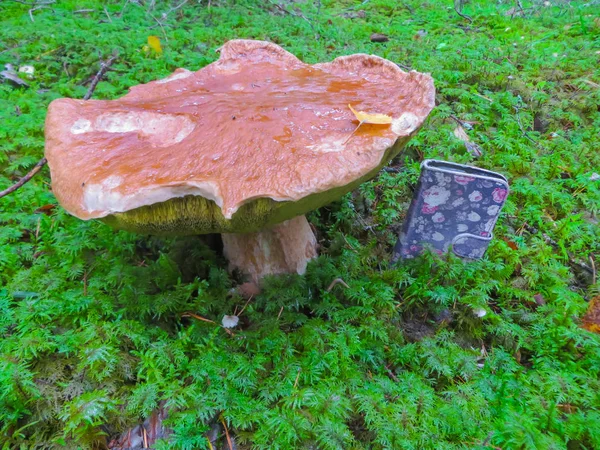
(252, 139)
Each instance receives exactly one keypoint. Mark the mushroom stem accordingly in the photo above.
(285, 248)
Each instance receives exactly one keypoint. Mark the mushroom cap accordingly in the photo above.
(251, 140)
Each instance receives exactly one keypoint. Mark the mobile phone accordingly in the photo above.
(455, 207)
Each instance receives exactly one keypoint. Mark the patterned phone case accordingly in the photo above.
(454, 207)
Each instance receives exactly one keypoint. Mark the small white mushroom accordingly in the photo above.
(230, 321)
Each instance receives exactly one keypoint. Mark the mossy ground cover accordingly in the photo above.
(93, 326)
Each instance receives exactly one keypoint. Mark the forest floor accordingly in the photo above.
(94, 324)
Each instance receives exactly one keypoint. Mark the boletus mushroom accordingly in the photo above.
(243, 147)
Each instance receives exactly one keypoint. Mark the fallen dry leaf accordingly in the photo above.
(11, 75)
(373, 119)
(378, 37)
(377, 119)
(46, 209)
(154, 43)
(145, 434)
(591, 319)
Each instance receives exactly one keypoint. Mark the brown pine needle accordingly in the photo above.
(244, 306)
(226, 433)
(297, 378)
(196, 316)
(337, 281)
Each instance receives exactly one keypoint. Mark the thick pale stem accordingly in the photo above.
(284, 248)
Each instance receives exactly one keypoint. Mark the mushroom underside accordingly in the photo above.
(263, 237)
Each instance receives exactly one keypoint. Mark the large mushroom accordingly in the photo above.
(243, 147)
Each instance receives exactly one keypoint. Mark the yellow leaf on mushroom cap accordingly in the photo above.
(376, 119)
(154, 43)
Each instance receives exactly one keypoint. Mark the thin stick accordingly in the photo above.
(103, 68)
(161, 27)
(244, 307)
(145, 437)
(41, 163)
(107, 14)
(391, 374)
(593, 269)
(464, 16)
(175, 8)
(280, 311)
(226, 433)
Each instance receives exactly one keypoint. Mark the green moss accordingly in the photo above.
(94, 335)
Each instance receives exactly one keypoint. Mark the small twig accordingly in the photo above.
(404, 66)
(295, 14)
(103, 68)
(35, 3)
(107, 14)
(83, 11)
(489, 436)
(520, 6)
(391, 374)
(145, 435)
(175, 8)
(335, 282)
(35, 9)
(464, 16)
(41, 163)
(161, 27)
(483, 97)
(240, 313)
(592, 262)
(517, 109)
(226, 433)
(280, 311)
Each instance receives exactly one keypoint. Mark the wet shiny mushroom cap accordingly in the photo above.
(252, 139)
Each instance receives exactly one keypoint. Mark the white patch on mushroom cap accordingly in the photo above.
(81, 126)
(112, 182)
(405, 124)
(161, 130)
(183, 73)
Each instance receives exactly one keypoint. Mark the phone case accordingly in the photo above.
(454, 207)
